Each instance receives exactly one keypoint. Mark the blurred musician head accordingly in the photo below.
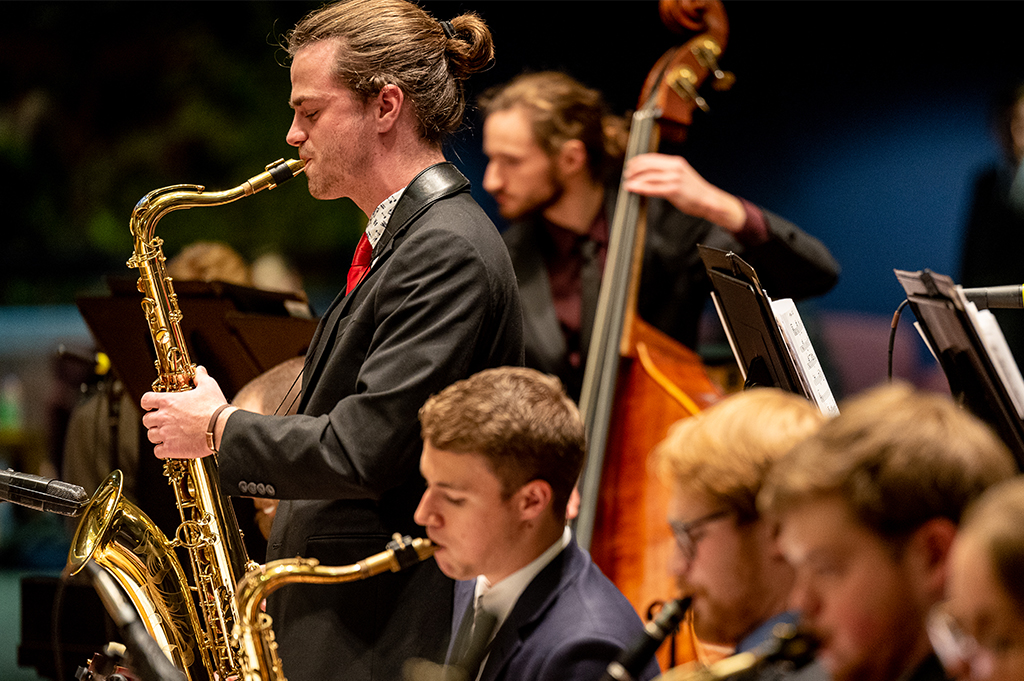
(725, 554)
(502, 451)
(868, 509)
(550, 142)
(979, 632)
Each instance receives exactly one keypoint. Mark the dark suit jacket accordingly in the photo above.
(439, 304)
(568, 624)
(674, 286)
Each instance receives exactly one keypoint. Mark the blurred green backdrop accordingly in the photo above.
(102, 102)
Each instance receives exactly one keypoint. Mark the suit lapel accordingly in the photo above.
(529, 609)
(431, 185)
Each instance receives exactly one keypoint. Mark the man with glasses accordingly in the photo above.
(979, 632)
(868, 508)
(725, 557)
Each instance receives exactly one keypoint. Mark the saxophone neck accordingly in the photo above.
(157, 203)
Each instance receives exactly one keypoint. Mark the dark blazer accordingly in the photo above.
(568, 624)
(674, 286)
(439, 304)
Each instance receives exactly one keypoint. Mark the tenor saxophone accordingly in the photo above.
(253, 632)
(118, 536)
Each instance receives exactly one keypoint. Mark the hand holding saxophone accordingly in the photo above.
(177, 422)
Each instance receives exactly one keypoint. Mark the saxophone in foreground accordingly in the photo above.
(122, 539)
(253, 633)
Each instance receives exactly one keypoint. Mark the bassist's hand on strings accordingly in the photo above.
(177, 422)
(674, 179)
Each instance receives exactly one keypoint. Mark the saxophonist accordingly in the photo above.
(725, 556)
(431, 298)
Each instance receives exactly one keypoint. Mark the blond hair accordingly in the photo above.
(898, 457)
(210, 261)
(726, 451)
(995, 524)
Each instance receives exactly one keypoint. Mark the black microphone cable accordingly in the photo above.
(148, 660)
(892, 332)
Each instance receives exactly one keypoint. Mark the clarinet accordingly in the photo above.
(632, 660)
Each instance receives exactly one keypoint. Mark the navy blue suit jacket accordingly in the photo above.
(567, 626)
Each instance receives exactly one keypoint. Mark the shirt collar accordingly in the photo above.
(380, 217)
(500, 598)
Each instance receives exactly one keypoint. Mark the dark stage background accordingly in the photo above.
(863, 122)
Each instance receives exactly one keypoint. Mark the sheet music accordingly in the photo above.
(992, 338)
(802, 351)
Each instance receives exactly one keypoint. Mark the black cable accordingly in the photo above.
(892, 332)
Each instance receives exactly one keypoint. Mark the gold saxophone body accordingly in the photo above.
(253, 633)
(122, 539)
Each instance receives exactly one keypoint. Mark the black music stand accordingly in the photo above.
(768, 354)
(236, 332)
(951, 330)
(749, 322)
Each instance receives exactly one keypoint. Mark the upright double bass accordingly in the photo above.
(637, 380)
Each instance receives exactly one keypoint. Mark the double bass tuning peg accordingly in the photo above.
(683, 82)
(707, 52)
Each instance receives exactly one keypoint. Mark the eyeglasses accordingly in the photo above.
(684, 532)
(958, 651)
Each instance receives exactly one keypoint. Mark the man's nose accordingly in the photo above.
(804, 599)
(492, 180)
(423, 515)
(678, 563)
(296, 135)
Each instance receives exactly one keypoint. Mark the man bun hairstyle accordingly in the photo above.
(394, 42)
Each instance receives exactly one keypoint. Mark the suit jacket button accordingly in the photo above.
(242, 486)
(270, 490)
(261, 489)
(251, 488)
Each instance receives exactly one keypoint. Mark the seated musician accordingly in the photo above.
(555, 159)
(725, 556)
(868, 509)
(502, 451)
(979, 632)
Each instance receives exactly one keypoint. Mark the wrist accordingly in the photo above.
(728, 211)
(215, 430)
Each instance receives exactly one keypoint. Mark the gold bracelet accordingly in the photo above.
(213, 426)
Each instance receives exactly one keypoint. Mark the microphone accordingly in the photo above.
(631, 661)
(42, 494)
(996, 297)
(148, 660)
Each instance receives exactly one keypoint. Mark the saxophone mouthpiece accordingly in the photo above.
(282, 170)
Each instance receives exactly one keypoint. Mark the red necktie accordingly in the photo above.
(360, 263)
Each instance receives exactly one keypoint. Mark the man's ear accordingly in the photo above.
(389, 103)
(928, 551)
(533, 499)
(572, 158)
